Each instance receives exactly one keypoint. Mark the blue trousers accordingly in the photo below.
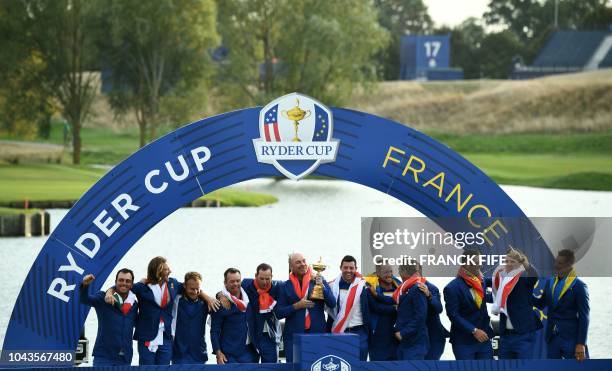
(436, 348)
(517, 346)
(414, 349)
(162, 356)
(362, 331)
(473, 351)
(383, 349)
(102, 361)
(558, 347)
(268, 350)
(288, 347)
(249, 355)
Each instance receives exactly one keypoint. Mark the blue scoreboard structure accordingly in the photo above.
(427, 57)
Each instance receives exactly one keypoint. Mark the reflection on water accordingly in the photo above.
(318, 218)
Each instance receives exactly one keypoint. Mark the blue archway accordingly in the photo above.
(217, 152)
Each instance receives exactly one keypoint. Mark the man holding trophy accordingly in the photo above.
(302, 300)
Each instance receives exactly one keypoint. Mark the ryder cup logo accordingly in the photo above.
(330, 363)
(295, 135)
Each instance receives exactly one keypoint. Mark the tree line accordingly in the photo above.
(166, 60)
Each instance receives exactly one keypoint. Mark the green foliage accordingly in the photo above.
(24, 101)
(529, 20)
(25, 105)
(157, 52)
(321, 48)
(49, 39)
(466, 46)
(400, 17)
(496, 54)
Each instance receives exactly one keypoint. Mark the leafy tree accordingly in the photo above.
(400, 17)
(466, 41)
(528, 19)
(321, 48)
(49, 37)
(157, 55)
(496, 54)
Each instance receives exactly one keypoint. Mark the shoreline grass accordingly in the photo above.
(5, 211)
(51, 182)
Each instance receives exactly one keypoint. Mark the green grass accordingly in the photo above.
(101, 145)
(560, 160)
(51, 182)
(38, 182)
(234, 197)
(528, 143)
(4, 211)
(576, 171)
(550, 160)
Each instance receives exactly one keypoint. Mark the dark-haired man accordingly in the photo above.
(229, 333)
(466, 297)
(567, 299)
(115, 321)
(264, 326)
(352, 311)
(189, 315)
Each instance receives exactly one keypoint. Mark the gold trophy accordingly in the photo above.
(296, 114)
(317, 290)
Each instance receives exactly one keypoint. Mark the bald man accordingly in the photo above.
(301, 314)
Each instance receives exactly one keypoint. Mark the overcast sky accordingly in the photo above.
(453, 12)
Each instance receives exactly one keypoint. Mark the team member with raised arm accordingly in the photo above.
(301, 314)
(115, 321)
(513, 300)
(567, 300)
(230, 334)
(411, 324)
(465, 298)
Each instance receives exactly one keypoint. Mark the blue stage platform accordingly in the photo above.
(341, 353)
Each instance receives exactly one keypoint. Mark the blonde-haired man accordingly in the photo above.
(189, 323)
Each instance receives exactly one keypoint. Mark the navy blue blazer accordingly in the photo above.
(382, 308)
(365, 301)
(520, 305)
(147, 323)
(570, 316)
(412, 316)
(189, 338)
(256, 319)
(294, 319)
(464, 314)
(434, 307)
(229, 329)
(114, 338)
